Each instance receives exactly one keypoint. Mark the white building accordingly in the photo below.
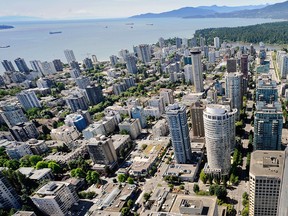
(15, 150)
(55, 198)
(152, 111)
(12, 115)
(157, 101)
(132, 126)
(65, 133)
(217, 42)
(69, 54)
(28, 99)
(167, 95)
(219, 126)
(188, 74)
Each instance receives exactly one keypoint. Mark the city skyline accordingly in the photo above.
(105, 9)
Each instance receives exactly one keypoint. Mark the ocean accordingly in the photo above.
(32, 41)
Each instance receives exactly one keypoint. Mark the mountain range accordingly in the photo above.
(274, 11)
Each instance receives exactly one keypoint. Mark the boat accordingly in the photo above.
(129, 23)
(55, 32)
(5, 46)
(150, 24)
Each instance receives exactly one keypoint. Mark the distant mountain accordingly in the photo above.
(275, 11)
(182, 12)
(227, 9)
(17, 18)
(198, 11)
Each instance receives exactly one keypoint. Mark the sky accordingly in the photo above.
(69, 9)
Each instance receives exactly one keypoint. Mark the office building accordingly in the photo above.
(266, 90)
(77, 102)
(88, 64)
(70, 57)
(137, 112)
(131, 64)
(219, 127)
(94, 94)
(58, 64)
(283, 207)
(132, 126)
(244, 65)
(265, 177)
(234, 90)
(268, 123)
(28, 99)
(12, 115)
(8, 66)
(197, 70)
(24, 131)
(196, 111)
(82, 82)
(144, 53)
(157, 101)
(167, 95)
(101, 150)
(179, 132)
(55, 198)
(217, 42)
(231, 65)
(21, 65)
(8, 197)
(113, 60)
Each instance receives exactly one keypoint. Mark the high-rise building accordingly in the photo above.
(8, 66)
(196, 111)
(206, 51)
(167, 95)
(24, 131)
(113, 60)
(161, 42)
(75, 73)
(12, 115)
(28, 99)
(131, 64)
(157, 101)
(231, 65)
(266, 90)
(137, 112)
(234, 90)
(48, 68)
(188, 74)
(185, 42)
(193, 42)
(144, 53)
(94, 58)
(219, 126)
(88, 64)
(202, 43)
(36, 65)
(129, 81)
(197, 70)
(178, 42)
(101, 150)
(44, 83)
(217, 42)
(179, 132)
(283, 207)
(55, 198)
(244, 65)
(77, 102)
(82, 82)
(265, 177)
(69, 54)
(75, 65)
(21, 65)
(283, 66)
(58, 64)
(132, 126)
(94, 94)
(8, 197)
(211, 57)
(123, 53)
(268, 123)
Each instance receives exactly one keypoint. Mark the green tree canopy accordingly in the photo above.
(92, 177)
(78, 173)
(41, 165)
(122, 178)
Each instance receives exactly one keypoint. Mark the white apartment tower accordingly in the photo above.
(28, 99)
(197, 70)
(217, 42)
(265, 177)
(219, 127)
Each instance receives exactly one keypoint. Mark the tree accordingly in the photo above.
(245, 211)
(245, 196)
(130, 180)
(144, 146)
(55, 167)
(34, 159)
(181, 187)
(78, 173)
(12, 164)
(221, 192)
(125, 211)
(212, 190)
(122, 178)
(146, 196)
(130, 203)
(203, 177)
(41, 165)
(196, 188)
(92, 177)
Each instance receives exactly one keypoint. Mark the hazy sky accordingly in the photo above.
(105, 8)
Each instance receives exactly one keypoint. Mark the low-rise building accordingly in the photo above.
(38, 147)
(152, 111)
(132, 126)
(65, 133)
(160, 129)
(37, 175)
(24, 131)
(15, 150)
